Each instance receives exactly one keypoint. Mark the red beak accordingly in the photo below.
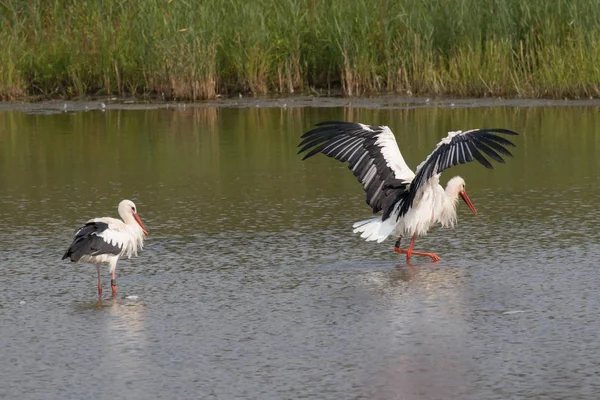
(139, 221)
(467, 200)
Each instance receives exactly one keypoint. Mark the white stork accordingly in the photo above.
(411, 203)
(105, 240)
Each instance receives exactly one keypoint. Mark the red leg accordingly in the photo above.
(410, 248)
(99, 280)
(434, 257)
(397, 248)
(113, 283)
(410, 251)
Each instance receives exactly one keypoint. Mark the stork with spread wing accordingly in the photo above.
(411, 203)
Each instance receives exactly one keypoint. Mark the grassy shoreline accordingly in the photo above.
(194, 50)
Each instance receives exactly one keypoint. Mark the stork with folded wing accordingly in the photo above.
(105, 240)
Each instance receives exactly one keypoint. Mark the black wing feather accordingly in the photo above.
(353, 143)
(481, 145)
(356, 144)
(87, 242)
(477, 156)
(496, 146)
(463, 147)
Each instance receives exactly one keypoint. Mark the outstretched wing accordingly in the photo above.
(372, 154)
(458, 148)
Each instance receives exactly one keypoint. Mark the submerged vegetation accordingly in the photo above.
(191, 50)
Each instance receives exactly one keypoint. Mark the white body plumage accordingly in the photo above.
(128, 237)
(433, 205)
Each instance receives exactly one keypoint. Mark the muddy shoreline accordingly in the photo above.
(379, 102)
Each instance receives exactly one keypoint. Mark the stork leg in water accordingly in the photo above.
(99, 280)
(410, 251)
(113, 283)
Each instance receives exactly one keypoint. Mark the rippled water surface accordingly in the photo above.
(252, 285)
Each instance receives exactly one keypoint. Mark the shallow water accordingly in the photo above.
(251, 284)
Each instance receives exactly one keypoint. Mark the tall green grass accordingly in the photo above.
(191, 50)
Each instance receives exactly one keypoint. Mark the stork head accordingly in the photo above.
(128, 213)
(455, 188)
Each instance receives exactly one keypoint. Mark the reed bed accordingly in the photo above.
(193, 50)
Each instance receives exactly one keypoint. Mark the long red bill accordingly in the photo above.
(467, 200)
(139, 221)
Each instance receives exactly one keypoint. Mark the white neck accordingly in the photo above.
(447, 215)
(128, 219)
(126, 214)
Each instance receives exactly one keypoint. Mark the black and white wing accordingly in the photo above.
(93, 239)
(372, 154)
(458, 148)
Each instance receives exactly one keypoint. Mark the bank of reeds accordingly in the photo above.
(190, 50)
